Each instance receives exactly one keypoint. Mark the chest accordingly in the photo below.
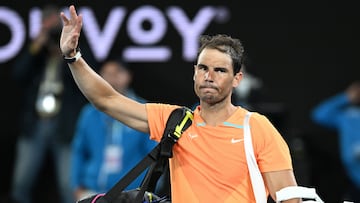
(213, 148)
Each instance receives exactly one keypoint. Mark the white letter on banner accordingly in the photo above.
(190, 31)
(139, 35)
(35, 22)
(100, 42)
(17, 29)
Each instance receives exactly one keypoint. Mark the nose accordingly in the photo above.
(208, 75)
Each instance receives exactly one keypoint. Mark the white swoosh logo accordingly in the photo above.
(192, 136)
(233, 140)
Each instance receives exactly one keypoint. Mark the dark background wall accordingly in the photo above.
(303, 53)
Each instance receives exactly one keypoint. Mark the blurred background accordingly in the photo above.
(298, 54)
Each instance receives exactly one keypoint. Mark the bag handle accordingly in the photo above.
(292, 192)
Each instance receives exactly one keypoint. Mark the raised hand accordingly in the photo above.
(70, 32)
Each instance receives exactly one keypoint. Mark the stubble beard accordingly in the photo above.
(211, 99)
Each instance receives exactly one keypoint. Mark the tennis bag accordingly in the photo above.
(157, 162)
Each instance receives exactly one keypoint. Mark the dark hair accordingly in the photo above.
(226, 44)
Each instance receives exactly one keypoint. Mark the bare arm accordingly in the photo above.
(93, 86)
(277, 180)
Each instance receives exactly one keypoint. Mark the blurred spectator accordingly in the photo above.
(341, 112)
(104, 149)
(50, 103)
(249, 84)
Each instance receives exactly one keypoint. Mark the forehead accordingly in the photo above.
(214, 58)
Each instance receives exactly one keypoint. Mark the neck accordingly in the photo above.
(216, 114)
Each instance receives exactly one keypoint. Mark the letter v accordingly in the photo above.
(100, 42)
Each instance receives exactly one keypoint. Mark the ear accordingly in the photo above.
(237, 78)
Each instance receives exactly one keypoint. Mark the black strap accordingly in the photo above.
(161, 166)
(179, 120)
(132, 174)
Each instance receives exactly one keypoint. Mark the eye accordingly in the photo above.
(221, 70)
(202, 67)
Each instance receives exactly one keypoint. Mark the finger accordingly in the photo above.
(73, 12)
(64, 19)
(78, 24)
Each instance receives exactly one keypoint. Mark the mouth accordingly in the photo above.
(207, 87)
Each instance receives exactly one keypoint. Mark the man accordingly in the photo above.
(206, 165)
(341, 113)
(103, 149)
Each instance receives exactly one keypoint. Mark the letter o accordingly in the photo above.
(17, 29)
(158, 25)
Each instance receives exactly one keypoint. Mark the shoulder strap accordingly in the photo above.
(256, 179)
(179, 120)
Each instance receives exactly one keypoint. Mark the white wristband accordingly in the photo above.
(74, 58)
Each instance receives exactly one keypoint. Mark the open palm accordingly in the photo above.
(70, 32)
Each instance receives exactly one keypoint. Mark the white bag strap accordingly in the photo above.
(292, 192)
(257, 181)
